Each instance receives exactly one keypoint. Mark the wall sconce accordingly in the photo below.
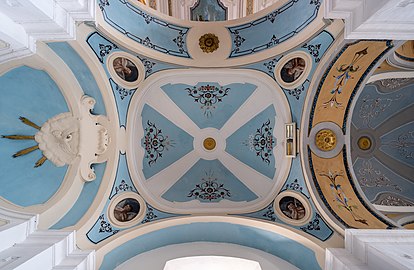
(291, 135)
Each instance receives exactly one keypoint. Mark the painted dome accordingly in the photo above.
(203, 141)
(382, 141)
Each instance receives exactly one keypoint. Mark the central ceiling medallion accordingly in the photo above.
(209, 43)
(209, 143)
(364, 143)
(325, 140)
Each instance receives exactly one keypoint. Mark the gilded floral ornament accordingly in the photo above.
(325, 140)
(209, 43)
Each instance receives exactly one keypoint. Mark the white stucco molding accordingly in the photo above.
(15, 227)
(373, 249)
(373, 19)
(23, 22)
(23, 246)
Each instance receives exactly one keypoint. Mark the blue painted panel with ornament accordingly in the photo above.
(209, 181)
(164, 142)
(254, 142)
(209, 104)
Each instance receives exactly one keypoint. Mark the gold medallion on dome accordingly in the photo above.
(208, 43)
(364, 143)
(325, 140)
(209, 143)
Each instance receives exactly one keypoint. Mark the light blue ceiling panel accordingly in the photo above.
(33, 94)
(374, 177)
(209, 181)
(374, 108)
(254, 142)
(399, 144)
(270, 242)
(209, 104)
(164, 143)
(274, 28)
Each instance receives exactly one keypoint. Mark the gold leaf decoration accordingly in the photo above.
(209, 43)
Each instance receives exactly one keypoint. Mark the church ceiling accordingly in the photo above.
(250, 135)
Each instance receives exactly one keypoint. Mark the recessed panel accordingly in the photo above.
(200, 141)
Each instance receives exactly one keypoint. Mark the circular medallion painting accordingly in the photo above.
(125, 69)
(126, 210)
(292, 208)
(293, 69)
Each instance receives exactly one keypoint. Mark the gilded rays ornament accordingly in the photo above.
(58, 139)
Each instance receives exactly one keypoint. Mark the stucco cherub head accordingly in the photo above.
(59, 139)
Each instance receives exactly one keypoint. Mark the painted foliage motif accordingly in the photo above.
(373, 107)
(144, 29)
(266, 32)
(342, 200)
(208, 96)
(345, 72)
(209, 189)
(262, 142)
(155, 143)
(342, 79)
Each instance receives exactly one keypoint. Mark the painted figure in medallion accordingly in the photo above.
(125, 69)
(292, 70)
(292, 208)
(126, 210)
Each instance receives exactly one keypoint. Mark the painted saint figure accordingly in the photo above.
(126, 210)
(125, 69)
(292, 208)
(292, 70)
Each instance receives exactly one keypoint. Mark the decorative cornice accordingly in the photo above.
(373, 19)
(26, 22)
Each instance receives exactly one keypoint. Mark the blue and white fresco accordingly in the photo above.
(254, 142)
(208, 181)
(164, 143)
(145, 29)
(274, 28)
(209, 104)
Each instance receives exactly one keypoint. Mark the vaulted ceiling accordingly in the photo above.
(270, 132)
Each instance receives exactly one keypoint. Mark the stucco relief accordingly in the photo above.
(58, 139)
(64, 138)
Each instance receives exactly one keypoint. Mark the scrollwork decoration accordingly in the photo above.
(155, 143)
(209, 189)
(262, 142)
(208, 96)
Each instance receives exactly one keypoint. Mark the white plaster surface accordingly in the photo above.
(157, 258)
(373, 249)
(373, 19)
